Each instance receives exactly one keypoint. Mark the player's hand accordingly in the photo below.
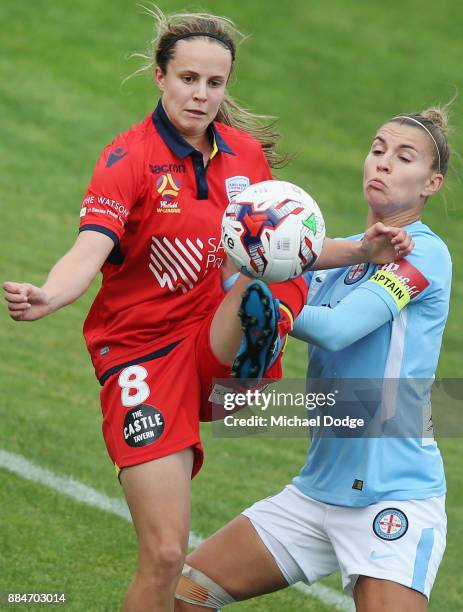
(25, 301)
(382, 243)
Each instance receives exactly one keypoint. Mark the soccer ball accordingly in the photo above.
(273, 230)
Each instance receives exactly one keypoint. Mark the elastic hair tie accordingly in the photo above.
(424, 128)
(175, 39)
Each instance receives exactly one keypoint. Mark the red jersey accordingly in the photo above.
(151, 193)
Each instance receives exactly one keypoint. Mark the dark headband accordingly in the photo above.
(175, 39)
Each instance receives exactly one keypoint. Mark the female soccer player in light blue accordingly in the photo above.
(371, 506)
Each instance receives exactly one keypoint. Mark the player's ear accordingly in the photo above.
(159, 78)
(433, 184)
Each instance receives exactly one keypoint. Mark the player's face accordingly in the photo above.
(397, 171)
(193, 86)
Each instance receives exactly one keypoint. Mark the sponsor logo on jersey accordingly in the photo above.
(115, 156)
(235, 185)
(390, 524)
(165, 168)
(356, 273)
(143, 425)
(102, 205)
(401, 280)
(177, 264)
(166, 207)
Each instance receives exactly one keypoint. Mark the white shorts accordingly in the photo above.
(402, 541)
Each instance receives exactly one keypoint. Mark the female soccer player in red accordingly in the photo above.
(160, 328)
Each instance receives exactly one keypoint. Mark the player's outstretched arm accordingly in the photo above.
(381, 244)
(69, 278)
(335, 328)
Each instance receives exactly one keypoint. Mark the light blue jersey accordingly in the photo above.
(390, 325)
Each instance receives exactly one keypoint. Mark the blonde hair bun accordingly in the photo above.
(438, 116)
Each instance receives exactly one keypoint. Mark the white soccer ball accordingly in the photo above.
(273, 230)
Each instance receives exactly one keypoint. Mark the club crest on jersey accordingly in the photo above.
(235, 185)
(390, 524)
(356, 273)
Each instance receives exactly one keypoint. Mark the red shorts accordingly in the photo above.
(152, 409)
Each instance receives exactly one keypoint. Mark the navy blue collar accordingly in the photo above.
(175, 141)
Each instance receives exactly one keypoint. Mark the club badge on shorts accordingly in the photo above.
(390, 524)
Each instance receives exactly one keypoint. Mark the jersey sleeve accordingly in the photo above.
(426, 271)
(335, 328)
(115, 186)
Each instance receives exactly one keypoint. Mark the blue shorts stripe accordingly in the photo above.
(423, 555)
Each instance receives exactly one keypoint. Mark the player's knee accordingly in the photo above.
(164, 560)
(171, 558)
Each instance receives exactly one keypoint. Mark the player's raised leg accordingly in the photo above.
(158, 495)
(226, 574)
(250, 320)
(244, 329)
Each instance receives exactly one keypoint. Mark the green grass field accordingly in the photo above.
(332, 72)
